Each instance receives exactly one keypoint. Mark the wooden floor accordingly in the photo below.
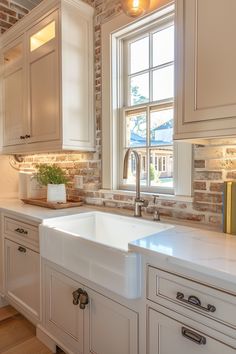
(17, 335)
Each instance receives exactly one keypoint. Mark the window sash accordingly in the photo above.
(125, 52)
(112, 34)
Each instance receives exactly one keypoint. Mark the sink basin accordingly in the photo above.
(95, 245)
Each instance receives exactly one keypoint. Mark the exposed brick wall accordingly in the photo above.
(212, 164)
(10, 13)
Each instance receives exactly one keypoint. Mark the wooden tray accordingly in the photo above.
(50, 205)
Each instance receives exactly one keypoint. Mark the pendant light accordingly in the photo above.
(135, 8)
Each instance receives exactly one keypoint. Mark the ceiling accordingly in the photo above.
(29, 4)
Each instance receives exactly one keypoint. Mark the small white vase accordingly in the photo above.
(56, 193)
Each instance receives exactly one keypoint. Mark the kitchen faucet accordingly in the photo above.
(138, 203)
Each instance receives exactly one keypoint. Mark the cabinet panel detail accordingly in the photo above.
(205, 71)
(44, 98)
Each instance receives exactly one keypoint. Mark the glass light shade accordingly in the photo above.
(135, 8)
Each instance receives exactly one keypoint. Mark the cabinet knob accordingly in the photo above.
(80, 297)
(83, 300)
(22, 249)
(22, 137)
(27, 136)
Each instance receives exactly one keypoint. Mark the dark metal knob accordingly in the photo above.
(27, 136)
(76, 295)
(22, 249)
(22, 137)
(83, 300)
(80, 297)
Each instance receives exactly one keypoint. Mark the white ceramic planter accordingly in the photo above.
(56, 193)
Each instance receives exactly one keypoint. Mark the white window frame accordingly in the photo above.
(112, 162)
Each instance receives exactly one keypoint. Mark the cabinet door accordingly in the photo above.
(22, 276)
(62, 318)
(110, 327)
(206, 70)
(43, 80)
(13, 82)
(166, 335)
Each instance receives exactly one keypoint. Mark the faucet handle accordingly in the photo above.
(156, 215)
(155, 197)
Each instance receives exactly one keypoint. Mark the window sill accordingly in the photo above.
(171, 197)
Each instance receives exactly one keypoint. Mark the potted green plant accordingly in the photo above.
(55, 179)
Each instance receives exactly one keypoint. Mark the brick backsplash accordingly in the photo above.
(10, 13)
(212, 164)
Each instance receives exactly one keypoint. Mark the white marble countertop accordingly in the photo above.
(209, 252)
(35, 213)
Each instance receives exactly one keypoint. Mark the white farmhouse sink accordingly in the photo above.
(95, 245)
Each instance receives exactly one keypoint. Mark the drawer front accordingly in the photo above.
(20, 231)
(168, 335)
(207, 301)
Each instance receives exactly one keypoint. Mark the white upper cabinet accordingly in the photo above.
(47, 79)
(205, 81)
(43, 80)
(13, 81)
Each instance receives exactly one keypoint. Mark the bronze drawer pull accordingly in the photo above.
(21, 231)
(193, 336)
(194, 301)
(22, 249)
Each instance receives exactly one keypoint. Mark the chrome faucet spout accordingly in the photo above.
(138, 167)
(138, 201)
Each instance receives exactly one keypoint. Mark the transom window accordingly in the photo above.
(147, 113)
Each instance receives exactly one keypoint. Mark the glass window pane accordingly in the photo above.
(163, 83)
(161, 127)
(136, 130)
(139, 55)
(139, 89)
(132, 168)
(163, 46)
(161, 167)
(43, 36)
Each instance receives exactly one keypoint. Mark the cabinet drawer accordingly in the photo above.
(20, 231)
(170, 335)
(165, 287)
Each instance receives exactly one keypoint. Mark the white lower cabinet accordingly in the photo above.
(167, 335)
(103, 326)
(62, 318)
(22, 278)
(110, 327)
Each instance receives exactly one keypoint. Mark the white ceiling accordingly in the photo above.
(29, 4)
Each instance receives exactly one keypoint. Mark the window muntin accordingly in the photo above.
(148, 112)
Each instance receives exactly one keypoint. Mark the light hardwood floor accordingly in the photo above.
(17, 335)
